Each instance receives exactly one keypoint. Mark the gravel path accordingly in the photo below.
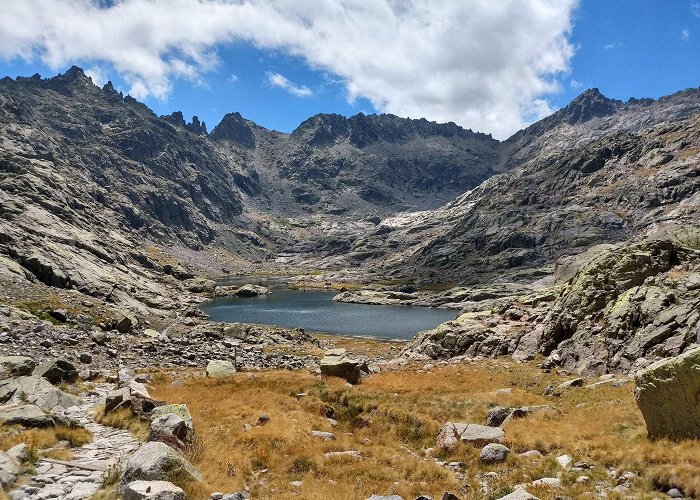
(108, 447)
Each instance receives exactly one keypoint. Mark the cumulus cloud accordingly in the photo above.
(483, 64)
(695, 8)
(611, 45)
(685, 35)
(281, 81)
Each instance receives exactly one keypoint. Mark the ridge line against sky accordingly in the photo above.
(494, 67)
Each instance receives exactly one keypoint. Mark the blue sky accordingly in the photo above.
(487, 71)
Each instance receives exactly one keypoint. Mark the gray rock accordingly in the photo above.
(6, 478)
(127, 322)
(180, 410)
(576, 382)
(26, 415)
(152, 490)
(519, 494)
(57, 371)
(252, 291)
(666, 393)
(384, 497)
(172, 430)
(16, 366)
(475, 434)
(217, 368)
(493, 453)
(119, 398)
(326, 436)
(675, 493)
(337, 363)
(156, 461)
(9, 464)
(85, 357)
(19, 452)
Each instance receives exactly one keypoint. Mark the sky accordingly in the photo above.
(492, 66)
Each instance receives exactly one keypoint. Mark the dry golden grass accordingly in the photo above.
(42, 439)
(391, 418)
(123, 419)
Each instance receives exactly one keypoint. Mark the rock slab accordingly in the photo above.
(668, 395)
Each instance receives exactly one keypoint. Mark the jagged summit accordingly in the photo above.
(233, 127)
(361, 130)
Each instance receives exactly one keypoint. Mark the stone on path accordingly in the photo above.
(153, 490)
(155, 461)
(668, 393)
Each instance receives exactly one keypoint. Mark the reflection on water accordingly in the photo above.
(316, 311)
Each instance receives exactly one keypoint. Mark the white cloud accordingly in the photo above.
(483, 64)
(685, 35)
(695, 8)
(611, 45)
(576, 84)
(232, 78)
(98, 75)
(277, 80)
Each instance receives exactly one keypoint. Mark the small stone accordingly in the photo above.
(675, 493)
(554, 482)
(262, 419)
(85, 357)
(564, 461)
(582, 479)
(493, 453)
(326, 436)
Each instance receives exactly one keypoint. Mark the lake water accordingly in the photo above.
(315, 311)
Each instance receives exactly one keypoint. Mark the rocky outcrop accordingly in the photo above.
(667, 393)
(628, 306)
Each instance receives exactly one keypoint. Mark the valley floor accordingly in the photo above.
(385, 430)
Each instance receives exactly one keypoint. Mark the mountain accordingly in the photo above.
(597, 171)
(99, 193)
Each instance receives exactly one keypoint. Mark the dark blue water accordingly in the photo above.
(315, 311)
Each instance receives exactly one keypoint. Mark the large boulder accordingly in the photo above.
(153, 490)
(519, 494)
(26, 415)
(120, 398)
(156, 461)
(172, 430)
(252, 291)
(57, 371)
(668, 394)
(218, 368)
(16, 366)
(337, 363)
(478, 435)
(38, 391)
(126, 322)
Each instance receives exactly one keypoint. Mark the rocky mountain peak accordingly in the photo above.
(321, 129)
(236, 129)
(590, 104)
